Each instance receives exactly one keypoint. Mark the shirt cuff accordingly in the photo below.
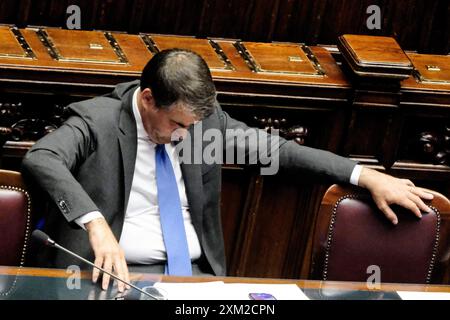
(354, 178)
(88, 217)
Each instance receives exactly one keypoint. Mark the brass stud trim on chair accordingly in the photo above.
(330, 234)
(436, 245)
(26, 236)
(333, 222)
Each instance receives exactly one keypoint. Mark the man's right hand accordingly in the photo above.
(108, 254)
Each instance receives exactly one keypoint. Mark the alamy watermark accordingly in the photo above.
(374, 280)
(374, 20)
(251, 146)
(74, 19)
(74, 279)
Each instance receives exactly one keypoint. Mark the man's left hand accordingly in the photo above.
(387, 190)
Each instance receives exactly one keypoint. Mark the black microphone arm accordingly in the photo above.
(44, 238)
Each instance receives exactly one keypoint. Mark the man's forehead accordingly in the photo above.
(182, 110)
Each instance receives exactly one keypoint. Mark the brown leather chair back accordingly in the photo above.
(15, 218)
(351, 235)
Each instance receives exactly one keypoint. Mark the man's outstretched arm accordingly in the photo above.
(385, 189)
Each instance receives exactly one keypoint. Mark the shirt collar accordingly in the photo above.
(141, 133)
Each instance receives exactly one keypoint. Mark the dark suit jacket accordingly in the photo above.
(87, 164)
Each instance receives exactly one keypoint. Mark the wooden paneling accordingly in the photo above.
(247, 20)
(236, 190)
(169, 17)
(418, 25)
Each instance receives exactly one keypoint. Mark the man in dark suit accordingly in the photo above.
(99, 169)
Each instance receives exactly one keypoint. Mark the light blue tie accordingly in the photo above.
(172, 225)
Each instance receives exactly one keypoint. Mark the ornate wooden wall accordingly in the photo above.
(418, 25)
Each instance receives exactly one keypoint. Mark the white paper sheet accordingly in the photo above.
(279, 291)
(218, 290)
(413, 295)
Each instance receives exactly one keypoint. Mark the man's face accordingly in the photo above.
(164, 125)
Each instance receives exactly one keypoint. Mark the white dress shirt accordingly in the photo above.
(141, 238)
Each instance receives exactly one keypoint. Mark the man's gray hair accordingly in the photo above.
(179, 75)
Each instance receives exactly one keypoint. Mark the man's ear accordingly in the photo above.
(147, 96)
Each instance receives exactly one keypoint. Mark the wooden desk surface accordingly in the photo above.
(304, 284)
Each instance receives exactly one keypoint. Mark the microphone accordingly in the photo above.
(43, 238)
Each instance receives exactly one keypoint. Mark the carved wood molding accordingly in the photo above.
(297, 133)
(434, 146)
(20, 123)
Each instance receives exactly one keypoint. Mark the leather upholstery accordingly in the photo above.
(14, 222)
(361, 237)
(351, 235)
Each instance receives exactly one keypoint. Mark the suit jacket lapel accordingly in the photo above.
(128, 143)
(192, 176)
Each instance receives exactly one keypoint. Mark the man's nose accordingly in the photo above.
(178, 134)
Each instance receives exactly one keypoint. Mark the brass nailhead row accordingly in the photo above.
(27, 233)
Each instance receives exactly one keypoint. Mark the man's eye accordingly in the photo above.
(180, 125)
